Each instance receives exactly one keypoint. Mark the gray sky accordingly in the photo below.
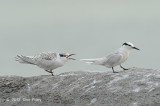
(91, 29)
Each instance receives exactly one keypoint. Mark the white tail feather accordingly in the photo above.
(92, 61)
(25, 59)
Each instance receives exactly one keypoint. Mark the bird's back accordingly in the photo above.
(116, 58)
(46, 60)
(112, 59)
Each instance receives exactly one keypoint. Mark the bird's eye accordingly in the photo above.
(61, 55)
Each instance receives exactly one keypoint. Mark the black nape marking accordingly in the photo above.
(126, 44)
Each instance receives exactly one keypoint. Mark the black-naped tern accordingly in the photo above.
(115, 58)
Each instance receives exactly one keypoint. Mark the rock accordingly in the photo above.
(133, 87)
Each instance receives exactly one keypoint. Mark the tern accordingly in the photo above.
(115, 58)
(47, 61)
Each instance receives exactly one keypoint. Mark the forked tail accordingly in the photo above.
(25, 59)
(96, 61)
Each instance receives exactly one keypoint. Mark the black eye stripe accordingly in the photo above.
(61, 55)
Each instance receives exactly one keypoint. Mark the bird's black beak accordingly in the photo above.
(71, 55)
(135, 48)
(71, 58)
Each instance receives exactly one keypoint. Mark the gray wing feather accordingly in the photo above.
(113, 60)
(47, 56)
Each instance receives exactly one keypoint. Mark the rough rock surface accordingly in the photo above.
(133, 87)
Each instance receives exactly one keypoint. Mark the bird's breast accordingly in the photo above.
(125, 56)
(48, 64)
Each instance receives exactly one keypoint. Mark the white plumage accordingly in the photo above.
(47, 61)
(115, 58)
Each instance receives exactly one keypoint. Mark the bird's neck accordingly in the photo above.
(125, 50)
(63, 61)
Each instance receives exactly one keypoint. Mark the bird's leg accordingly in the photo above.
(47, 71)
(50, 72)
(113, 70)
(123, 68)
